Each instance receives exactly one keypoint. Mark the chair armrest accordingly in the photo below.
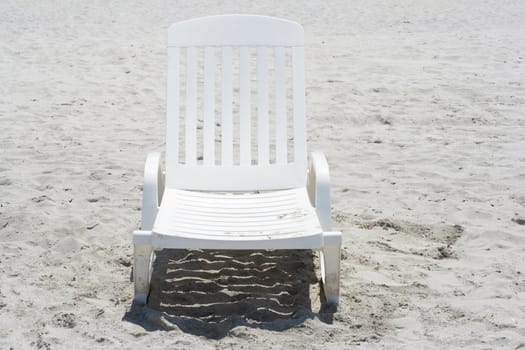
(318, 185)
(153, 190)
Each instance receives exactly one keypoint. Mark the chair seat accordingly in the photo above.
(281, 219)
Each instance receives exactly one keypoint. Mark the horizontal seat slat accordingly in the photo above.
(229, 225)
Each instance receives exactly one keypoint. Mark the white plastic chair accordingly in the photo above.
(252, 187)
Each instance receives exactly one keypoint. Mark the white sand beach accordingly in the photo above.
(419, 107)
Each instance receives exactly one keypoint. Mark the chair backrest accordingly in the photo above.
(235, 112)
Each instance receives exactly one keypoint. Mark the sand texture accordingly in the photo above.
(419, 107)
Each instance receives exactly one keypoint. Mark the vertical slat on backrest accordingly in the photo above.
(299, 104)
(244, 110)
(263, 143)
(173, 91)
(281, 146)
(226, 99)
(209, 107)
(191, 106)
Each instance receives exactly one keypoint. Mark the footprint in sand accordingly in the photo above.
(435, 241)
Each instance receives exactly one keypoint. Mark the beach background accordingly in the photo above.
(419, 107)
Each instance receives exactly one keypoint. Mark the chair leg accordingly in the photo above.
(330, 266)
(142, 268)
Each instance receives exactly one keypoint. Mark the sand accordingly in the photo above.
(419, 107)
